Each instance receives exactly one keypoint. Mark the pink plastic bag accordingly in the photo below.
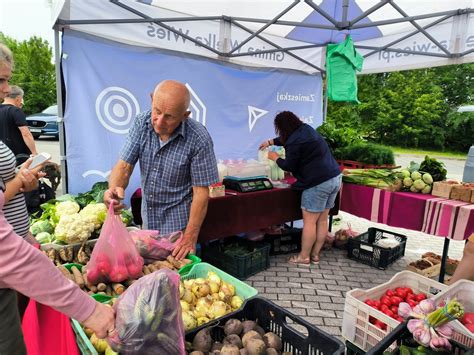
(148, 316)
(114, 257)
(153, 247)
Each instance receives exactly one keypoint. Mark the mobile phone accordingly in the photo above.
(39, 159)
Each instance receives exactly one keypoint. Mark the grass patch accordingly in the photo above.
(431, 153)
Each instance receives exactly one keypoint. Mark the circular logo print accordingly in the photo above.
(115, 107)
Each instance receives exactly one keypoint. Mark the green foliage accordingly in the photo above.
(367, 153)
(433, 167)
(33, 72)
(411, 108)
(338, 137)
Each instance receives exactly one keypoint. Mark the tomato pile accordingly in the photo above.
(388, 304)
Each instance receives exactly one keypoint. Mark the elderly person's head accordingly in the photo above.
(6, 66)
(15, 96)
(169, 107)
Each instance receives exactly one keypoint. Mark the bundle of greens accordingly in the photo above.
(385, 179)
(433, 167)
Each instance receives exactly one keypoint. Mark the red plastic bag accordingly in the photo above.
(114, 258)
(153, 247)
(148, 316)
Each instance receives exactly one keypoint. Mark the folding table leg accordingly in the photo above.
(443, 260)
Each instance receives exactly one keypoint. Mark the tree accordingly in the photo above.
(34, 72)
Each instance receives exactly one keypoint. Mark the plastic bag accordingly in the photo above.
(114, 258)
(342, 235)
(153, 247)
(148, 316)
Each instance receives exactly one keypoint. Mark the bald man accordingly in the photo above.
(177, 164)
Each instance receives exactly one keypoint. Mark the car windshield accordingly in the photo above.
(51, 110)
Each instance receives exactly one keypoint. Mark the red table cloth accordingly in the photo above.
(426, 213)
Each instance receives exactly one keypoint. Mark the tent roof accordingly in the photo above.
(292, 34)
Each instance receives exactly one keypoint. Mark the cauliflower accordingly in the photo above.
(73, 228)
(44, 237)
(41, 226)
(95, 213)
(66, 208)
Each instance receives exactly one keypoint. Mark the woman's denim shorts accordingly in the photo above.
(322, 196)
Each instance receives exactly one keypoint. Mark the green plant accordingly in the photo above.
(367, 153)
(435, 168)
(339, 137)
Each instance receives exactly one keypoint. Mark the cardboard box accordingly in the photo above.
(443, 188)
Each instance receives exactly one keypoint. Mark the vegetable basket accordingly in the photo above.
(298, 336)
(287, 242)
(238, 256)
(84, 344)
(401, 336)
(364, 248)
(356, 327)
(463, 291)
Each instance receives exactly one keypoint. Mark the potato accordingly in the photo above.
(233, 339)
(271, 351)
(202, 341)
(248, 325)
(230, 350)
(217, 346)
(243, 351)
(255, 347)
(233, 326)
(272, 340)
(259, 330)
(196, 352)
(250, 335)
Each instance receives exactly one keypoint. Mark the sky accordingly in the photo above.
(22, 19)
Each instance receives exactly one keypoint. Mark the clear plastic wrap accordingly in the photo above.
(153, 247)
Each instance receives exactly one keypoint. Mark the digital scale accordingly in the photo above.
(247, 184)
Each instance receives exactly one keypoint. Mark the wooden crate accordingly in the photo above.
(461, 193)
(443, 188)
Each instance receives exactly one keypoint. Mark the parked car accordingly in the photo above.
(44, 123)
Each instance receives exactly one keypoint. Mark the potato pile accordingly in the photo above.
(241, 338)
(79, 276)
(205, 299)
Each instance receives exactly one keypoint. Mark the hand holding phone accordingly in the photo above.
(39, 159)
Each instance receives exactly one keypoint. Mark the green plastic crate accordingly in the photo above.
(241, 288)
(194, 260)
(84, 344)
(70, 265)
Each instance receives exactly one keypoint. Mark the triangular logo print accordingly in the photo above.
(254, 114)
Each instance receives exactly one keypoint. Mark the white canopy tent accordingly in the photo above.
(283, 34)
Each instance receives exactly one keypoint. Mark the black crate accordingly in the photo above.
(362, 248)
(402, 336)
(287, 326)
(289, 241)
(250, 257)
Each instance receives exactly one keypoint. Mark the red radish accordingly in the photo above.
(394, 309)
(395, 300)
(409, 290)
(384, 308)
(401, 292)
(470, 327)
(389, 293)
(389, 313)
(118, 274)
(134, 270)
(420, 296)
(376, 304)
(380, 324)
(92, 276)
(385, 300)
(411, 303)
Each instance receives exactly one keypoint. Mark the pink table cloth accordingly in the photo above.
(426, 213)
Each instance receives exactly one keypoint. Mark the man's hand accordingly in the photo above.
(183, 247)
(116, 196)
(29, 178)
(101, 321)
(273, 156)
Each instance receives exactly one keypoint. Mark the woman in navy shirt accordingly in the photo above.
(310, 161)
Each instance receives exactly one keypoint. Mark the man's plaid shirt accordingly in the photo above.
(169, 171)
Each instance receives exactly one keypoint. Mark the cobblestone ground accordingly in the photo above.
(317, 293)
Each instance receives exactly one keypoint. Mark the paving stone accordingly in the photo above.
(336, 322)
(299, 311)
(316, 321)
(338, 299)
(321, 313)
(331, 293)
(303, 291)
(339, 288)
(264, 284)
(332, 306)
(276, 290)
(286, 297)
(331, 330)
(317, 298)
(284, 304)
(324, 281)
(277, 278)
(305, 304)
(289, 284)
(333, 277)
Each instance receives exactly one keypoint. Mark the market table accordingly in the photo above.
(426, 213)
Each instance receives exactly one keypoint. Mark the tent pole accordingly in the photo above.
(59, 98)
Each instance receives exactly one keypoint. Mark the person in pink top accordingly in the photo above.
(27, 270)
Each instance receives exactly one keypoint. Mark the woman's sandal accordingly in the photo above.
(315, 259)
(296, 260)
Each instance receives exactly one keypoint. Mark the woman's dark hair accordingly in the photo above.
(286, 122)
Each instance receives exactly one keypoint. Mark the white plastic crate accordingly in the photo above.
(463, 291)
(356, 327)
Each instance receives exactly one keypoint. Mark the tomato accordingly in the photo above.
(420, 296)
(380, 325)
(409, 290)
(470, 327)
(411, 303)
(389, 293)
(401, 292)
(399, 319)
(468, 318)
(376, 304)
(410, 296)
(368, 302)
(389, 313)
(396, 300)
(385, 300)
(384, 307)
(394, 309)
(372, 320)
